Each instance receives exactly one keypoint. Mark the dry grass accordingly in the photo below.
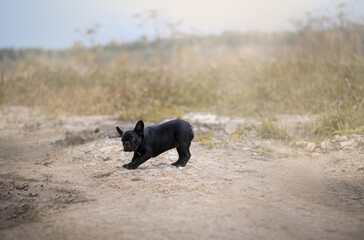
(269, 130)
(206, 139)
(316, 70)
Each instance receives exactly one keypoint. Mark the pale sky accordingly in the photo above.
(52, 23)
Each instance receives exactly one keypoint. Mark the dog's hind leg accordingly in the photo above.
(184, 156)
(178, 162)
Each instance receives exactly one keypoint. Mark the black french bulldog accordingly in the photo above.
(154, 140)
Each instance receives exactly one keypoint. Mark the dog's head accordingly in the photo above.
(131, 139)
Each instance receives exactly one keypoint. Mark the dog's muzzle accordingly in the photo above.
(128, 149)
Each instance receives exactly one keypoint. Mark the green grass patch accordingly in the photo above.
(265, 151)
(269, 130)
(206, 139)
(242, 130)
(341, 122)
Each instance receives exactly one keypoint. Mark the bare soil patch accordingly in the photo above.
(62, 179)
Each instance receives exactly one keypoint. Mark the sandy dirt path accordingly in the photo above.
(63, 180)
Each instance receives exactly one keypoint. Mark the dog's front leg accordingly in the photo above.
(135, 156)
(137, 161)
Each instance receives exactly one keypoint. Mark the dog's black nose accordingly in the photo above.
(128, 149)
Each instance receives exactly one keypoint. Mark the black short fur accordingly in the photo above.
(152, 141)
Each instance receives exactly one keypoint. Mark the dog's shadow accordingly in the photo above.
(157, 166)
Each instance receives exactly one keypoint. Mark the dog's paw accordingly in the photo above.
(179, 164)
(176, 164)
(126, 166)
(129, 166)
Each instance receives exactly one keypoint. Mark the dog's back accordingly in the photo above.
(172, 134)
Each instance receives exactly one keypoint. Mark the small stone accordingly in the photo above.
(325, 145)
(350, 144)
(47, 164)
(343, 138)
(311, 147)
(20, 186)
(336, 138)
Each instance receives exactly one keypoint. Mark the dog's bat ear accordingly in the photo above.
(119, 131)
(139, 127)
